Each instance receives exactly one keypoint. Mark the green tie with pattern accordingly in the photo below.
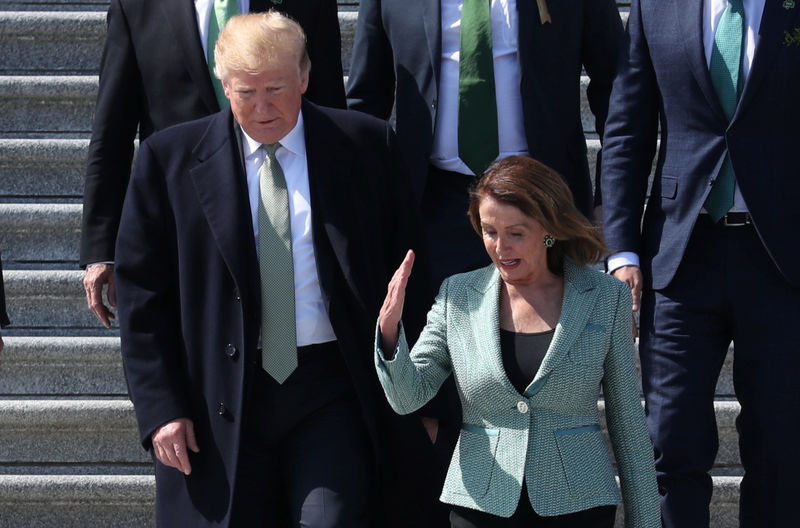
(223, 10)
(477, 104)
(278, 330)
(726, 60)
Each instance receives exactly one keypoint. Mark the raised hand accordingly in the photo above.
(392, 309)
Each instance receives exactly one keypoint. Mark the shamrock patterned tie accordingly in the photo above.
(278, 329)
(726, 60)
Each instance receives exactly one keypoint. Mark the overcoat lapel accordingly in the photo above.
(182, 19)
(330, 158)
(432, 19)
(221, 187)
(770, 36)
(690, 23)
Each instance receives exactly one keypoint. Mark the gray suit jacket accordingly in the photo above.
(551, 434)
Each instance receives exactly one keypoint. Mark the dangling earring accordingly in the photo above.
(549, 241)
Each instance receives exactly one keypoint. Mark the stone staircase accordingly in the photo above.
(69, 454)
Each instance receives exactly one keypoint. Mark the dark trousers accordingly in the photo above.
(726, 288)
(526, 517)
(305, 457)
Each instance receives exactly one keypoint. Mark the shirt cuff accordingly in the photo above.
(623, 258)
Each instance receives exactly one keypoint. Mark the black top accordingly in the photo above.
(523, 355)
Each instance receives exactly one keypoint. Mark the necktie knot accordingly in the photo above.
(270, 148)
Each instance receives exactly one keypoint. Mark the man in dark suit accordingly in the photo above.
(262, 406)
(717, 256)
(408, 54)
(154, 74)
(3, 315)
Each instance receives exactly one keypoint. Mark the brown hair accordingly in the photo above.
(251, 42)
(540, 193)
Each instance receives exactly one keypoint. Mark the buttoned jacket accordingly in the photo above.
(551, 434)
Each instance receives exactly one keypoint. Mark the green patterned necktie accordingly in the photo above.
(278, 329)
(477, 104)
(223, 10)
(725, 68)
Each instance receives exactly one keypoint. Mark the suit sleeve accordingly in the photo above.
(626, 423)
(629, 140)
(371, 85)
(326, 81)
(148, 302)
(116, 119)
(601, 42)
(412, 379)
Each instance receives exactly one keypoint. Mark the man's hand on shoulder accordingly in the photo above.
(97, 276)
(170, 443)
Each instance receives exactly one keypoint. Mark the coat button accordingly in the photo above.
(236, 295)
(522, 407)
(222, 410)
(231, 351)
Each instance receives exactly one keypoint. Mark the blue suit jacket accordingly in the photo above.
(550, 435)
(663, 77)
(399, 45)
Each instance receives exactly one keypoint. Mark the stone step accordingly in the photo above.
(61, 366)
(127, 501)
(75, 366)
(72, 42)
(41, 232)
(56, 42)
(74, 431)
(48, 105)
(42, 169)
(73, 501)
(103, 431)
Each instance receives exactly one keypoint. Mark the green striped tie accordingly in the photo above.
(477, 104)
(726, 61)
(223, 10)
(278, 330)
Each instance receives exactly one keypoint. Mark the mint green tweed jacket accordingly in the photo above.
(550, 435)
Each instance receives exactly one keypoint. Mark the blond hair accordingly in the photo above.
(251, 43)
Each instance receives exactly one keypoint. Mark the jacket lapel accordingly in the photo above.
(770, 36)
(182, 19)
(483, 302)
(579, 298)
(432, 20)
(221, 187)
(330, 157)
(690, 23)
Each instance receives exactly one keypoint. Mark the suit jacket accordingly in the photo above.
(188, 283)
(3, 315)
(398, 44)
(663, 77)
(550, 435)
(153, 74)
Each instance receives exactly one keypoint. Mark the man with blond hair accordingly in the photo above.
(251, 261)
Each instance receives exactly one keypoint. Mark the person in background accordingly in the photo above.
(530, 339)
(251, 259)
(155, 72)
(715, 255)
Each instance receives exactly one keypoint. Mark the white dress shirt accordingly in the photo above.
(712, 12)
(311, 318)
(510, 126)
(203, 9)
